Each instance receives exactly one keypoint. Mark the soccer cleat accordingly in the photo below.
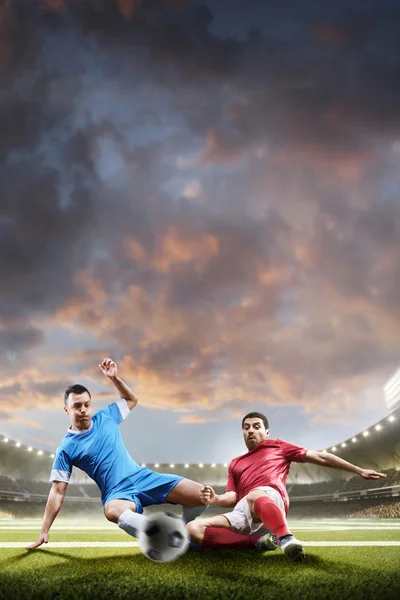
(267, 543)
(292, 548)
(193, 546)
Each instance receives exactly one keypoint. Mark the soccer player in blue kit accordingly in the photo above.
(94, 445)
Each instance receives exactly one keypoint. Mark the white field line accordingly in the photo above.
(340, 528)
(135, 544)
(354, 521)
(115, 529)
(61, 528)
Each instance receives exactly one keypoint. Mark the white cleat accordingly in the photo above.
(292, 548)
(267, 543)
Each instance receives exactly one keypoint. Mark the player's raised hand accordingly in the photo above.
(42, 539)
(207, 495)
(108, 367)
(368, 474)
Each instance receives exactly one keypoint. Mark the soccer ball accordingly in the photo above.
(163, 538)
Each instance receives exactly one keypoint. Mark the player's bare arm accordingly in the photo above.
(325, 459)
(54, 503)
(208, 496)
(110, 370)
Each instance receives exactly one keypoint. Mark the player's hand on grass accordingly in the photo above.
(207, 495)
(108, 367)
(368, 474)
(42, 539)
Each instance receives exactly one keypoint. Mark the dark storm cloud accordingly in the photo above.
(314, 92)
(13, 338)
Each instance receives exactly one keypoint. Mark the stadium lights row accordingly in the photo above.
(365, 434)
(41, 453)
(28, 448)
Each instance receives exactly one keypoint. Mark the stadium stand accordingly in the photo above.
(24, 473)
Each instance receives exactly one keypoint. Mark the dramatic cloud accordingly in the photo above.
(212, 203)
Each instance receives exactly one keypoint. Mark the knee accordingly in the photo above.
(195, 531)
(191, 529)
(111, 512)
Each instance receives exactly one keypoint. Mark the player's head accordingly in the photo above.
(255, 429)
(78, 406)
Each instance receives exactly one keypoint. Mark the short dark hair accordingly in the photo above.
(76, 388)
(256, 415)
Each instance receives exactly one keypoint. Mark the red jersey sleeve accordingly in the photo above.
(231, 485)
(291, 452)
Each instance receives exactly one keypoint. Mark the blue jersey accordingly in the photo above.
(99, 451)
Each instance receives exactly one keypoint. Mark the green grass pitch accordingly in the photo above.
(368, 570)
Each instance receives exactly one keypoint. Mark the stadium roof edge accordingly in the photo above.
(393, 418)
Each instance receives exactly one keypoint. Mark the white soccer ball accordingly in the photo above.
(164, 537)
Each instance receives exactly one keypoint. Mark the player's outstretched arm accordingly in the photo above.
(54, 502)
(208, 496)
(325, 459)
(109, 369)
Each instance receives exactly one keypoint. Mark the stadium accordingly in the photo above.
(350, 528)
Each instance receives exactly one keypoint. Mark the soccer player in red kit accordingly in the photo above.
(257, 489)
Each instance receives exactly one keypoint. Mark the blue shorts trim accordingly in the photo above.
(144, 488)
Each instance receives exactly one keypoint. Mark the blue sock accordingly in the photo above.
(193, 546)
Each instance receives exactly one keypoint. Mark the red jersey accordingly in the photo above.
(267, 464)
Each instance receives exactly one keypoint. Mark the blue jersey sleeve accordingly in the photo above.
(118, 411)
(62, 467)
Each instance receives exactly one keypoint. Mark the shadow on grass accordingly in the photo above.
(237, 574)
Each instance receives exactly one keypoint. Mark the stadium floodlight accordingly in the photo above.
(17, 445)
(201, 465)
(30, 449)
(343, 445)
(213, 465)
(366, 433)
(143, 465)
(156, 465)
(186, 466)
(225, 464)
(392, 418)
(378, 427)
(52, 455)
(171, 466)
(354, 440)
(333, 449)
(40, 452)
(5, 440)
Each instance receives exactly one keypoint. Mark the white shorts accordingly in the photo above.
(242, 520)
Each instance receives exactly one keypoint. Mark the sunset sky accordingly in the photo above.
(209, 194)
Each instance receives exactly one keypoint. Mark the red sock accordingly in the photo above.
(271, 516)
(219, 537)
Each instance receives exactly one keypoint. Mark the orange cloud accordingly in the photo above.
(271, 276)
(128, 7)
(196, 419)
(215, 152)
(348, 167)
(89, 309)
(33, 388)
(174, 248)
